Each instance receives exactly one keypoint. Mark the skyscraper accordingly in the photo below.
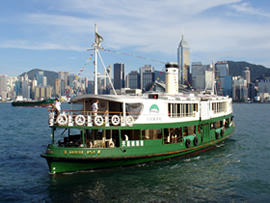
(134, 80)
(147, 75)
(183, 61)
(246, 74)
(3, 86)
(119, 75)
(222, 71)
(39, 77)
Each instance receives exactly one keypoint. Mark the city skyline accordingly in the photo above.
(55, 35)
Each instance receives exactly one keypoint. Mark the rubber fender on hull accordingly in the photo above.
(217, 135)
(187, 143)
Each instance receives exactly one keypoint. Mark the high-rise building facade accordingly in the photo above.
(3, 86)
(134, 80)
(199, 76)
(183, 61)
(246, 74)
(147, 75)
(63, 76)
(39, 77)
(222, 70)
(119, 75)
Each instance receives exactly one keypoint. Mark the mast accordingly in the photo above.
(95, 45)
(214, 87)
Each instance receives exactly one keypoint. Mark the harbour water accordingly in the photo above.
(236, 171)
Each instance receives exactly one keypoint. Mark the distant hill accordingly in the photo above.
(51, 76)
(257, 72)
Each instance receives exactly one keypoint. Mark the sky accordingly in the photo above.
(54, 35)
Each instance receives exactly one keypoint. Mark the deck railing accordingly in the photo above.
(91, 118)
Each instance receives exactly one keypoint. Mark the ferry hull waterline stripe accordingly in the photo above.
(129, 130)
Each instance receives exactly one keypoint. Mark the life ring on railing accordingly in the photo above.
(129, 121)
(195, 141)
(115, 120)
(187, 143)
(90, 145)
(98, 120)
(222, 133)
(217, 135)
(80, 120)
(111, 144)
(62, 119)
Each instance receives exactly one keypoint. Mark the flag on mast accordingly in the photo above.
(99, 39)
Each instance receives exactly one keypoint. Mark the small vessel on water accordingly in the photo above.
(129, 130)
(33, 103)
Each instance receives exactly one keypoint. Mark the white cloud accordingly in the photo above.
(248, 9)
(149, 27)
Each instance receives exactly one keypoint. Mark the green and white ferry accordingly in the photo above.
(130, 130)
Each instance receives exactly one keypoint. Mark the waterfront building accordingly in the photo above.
(39, 77)
(44, 81)
(133, 80)
(198, 75)
(251, 91)
(3, 86)
(57, 88)
(147, 74)
(239, 90)
(26, 88)
(222, 70)
(183, 61)
(119, 75)
(246, 75)
(63, 76)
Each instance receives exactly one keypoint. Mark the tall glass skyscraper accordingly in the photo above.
(134, 80)
(183, 61)
(119, 75)
(39, 77)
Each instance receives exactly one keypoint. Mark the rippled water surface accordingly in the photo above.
(236, 171)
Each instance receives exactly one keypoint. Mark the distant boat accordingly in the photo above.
(42, 103)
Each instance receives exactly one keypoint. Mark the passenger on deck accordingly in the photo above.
(95, 107)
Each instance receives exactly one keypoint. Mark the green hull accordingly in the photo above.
(67, 159)
(42, 103)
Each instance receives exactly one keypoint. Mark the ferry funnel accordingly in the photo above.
(171, 78)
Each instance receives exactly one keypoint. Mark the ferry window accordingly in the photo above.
(176, 110)
(134, 109)
(218, 107)
(131, 135)
(173, 135)
(148, 134)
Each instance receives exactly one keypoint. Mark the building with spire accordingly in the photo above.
(183, 61)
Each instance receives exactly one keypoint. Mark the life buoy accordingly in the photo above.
(90, 145)
(129, 120)
(62, 119)
(98, 120)
(111, 144)
(195, 141)
(222, 133)
(187, 143)
(80, 120)
(115, 120)
(217, 135)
